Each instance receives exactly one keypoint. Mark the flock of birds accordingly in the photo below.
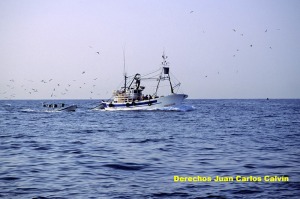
(251, 45)
(60, 90)
(234, 55)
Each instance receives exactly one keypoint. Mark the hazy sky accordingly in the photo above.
(216, 48)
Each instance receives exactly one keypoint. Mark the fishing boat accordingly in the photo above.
(59, 107)
(131, 96)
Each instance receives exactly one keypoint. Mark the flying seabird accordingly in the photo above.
(251, 45)
(234, 30)
(83, 72)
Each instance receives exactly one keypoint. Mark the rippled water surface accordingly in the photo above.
(136, 154)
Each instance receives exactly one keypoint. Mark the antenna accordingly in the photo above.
(124, 69)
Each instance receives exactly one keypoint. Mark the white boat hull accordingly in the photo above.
(151, 104)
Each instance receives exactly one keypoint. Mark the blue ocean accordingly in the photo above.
(251, 146)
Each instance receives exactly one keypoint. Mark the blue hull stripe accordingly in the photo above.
(130, 104)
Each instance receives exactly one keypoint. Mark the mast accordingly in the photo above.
(124, 71)
(165, 71)
(158, 84)
(172, 91)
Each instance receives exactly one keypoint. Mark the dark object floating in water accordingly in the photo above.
(101, 106)
(60, 107)
(8, 178)
(125, 166)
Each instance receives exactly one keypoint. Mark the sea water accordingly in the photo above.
(203, 149)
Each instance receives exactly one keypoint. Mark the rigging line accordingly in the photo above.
(152, 72)
(149, 78)
(174, 77)
(131, 76)
(153, 76)
(156, 76)
(178, 85)
(156, 71)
